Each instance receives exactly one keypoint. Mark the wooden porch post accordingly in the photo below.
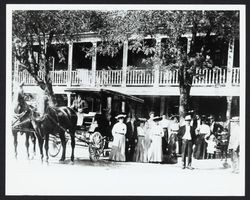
(230, 61)
(162, 107)
(157, 64)
(68, 99)
(70, 61)
(229, 105)
(109, 108)
(124, 63)
(16, 69)
(123, 107)
(93, 69)
(189, 39)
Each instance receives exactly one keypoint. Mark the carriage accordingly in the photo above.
(93, 130)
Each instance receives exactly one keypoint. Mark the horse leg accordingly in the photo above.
(40, 142)
(33, 139)
(27, 144)
(47, 147)
(63, 141)
(15, 142)
(72, 135)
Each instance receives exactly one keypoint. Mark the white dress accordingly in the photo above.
(118, 146)
(155, 149)
(211, 144)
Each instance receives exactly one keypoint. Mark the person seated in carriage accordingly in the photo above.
(81, 107)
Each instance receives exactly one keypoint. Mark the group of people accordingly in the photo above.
(157, 138)
(139, 140)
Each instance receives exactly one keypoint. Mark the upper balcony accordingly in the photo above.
(210, 82)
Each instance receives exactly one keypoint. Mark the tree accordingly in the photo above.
(124, 25)
(36, 31)
(115, 27)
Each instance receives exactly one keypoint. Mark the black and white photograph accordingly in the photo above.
(125, 99)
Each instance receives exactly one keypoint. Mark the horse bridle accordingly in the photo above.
(19, 117)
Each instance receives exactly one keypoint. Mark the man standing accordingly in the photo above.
(234, 143)
(187, 134)
(130, 139)
(202, 131)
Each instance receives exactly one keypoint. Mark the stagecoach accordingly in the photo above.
(92, 130)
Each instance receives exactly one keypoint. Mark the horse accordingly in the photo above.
(55, 121)
(22, 124)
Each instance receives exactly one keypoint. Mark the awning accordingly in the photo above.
(103, 90)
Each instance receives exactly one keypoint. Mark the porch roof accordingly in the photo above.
(96, 90)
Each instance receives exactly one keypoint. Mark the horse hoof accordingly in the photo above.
(71, 163)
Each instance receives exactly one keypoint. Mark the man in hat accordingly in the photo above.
(80, 105)
(164, 124)
(201, 131)
(187, 134)
(130, 139)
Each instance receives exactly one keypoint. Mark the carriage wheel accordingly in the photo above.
(96, 146)
(54, 146)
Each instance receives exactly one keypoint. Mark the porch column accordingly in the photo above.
(230, 61)
(16, 69)
(124, 63)
(109, 107)
(68, 99)
(189, 39)
(123, 107)
(229, 105)
(93, 69)
(157, 64)
(70, 60)
(162, 107)
(167, 106)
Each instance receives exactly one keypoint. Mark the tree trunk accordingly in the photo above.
(184, 101)
(50, 94)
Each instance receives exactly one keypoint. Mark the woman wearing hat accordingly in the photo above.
(140, 147)
(148, 126)
(173, 140)
(118, 147)
(155, 149)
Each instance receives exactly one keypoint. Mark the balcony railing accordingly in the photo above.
(205, 77)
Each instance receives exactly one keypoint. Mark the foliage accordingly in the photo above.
(37, 32)
(116, 26)
(136, 25)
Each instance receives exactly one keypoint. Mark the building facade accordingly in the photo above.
(216, 91)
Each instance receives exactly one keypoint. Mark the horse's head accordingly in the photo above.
(19, 103)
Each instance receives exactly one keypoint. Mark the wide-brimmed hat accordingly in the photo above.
(211, 117)
(173, 116)
(188, 118)
(120, 116)
(235, 119)
(142, 119)
(157, 118)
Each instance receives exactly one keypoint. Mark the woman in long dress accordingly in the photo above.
(155, 149)
(149, 124)
(118, 146)
(140, 147)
